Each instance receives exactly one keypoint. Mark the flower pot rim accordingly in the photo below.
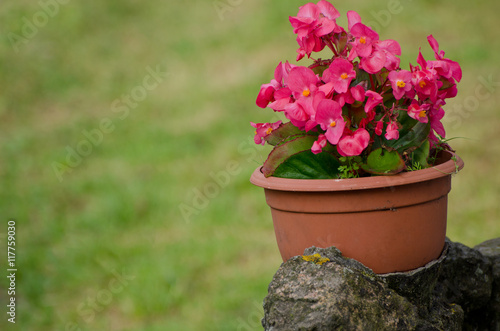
(446, 167)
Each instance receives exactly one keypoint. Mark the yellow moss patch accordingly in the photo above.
(316, 258)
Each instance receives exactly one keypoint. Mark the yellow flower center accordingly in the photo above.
(401, 84)
(362, 40)
(333, 124)
(269, 130)
(422, 113)
(344, 76)
(306, 92)
(422, 84)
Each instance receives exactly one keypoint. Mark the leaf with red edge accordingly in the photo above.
(299, 164)
(283, 132)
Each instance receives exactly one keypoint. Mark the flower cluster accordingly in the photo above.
(359, 96)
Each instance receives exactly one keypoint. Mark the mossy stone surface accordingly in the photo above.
(459, 291)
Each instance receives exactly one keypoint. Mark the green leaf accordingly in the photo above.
(361, 76)
(421, 154)
(283, 132)
(412, 135)
(319, 70)
(306, 165)
(285, 150)
(383, 162)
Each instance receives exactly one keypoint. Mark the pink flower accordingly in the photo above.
(435, 116)
(455, 70)
(296, 113)
(425, 85)
(319, 144)
(392, 132)
(282, 71)
(311, 110)
(329, 116)
(418, 112)
(315, 19)
(401, 82)
(269, 93)
(305, 21)
(340, 73)
(262, 130)
(365, 121)
(358, 93)
(383, 54)
(309, 44)
(365, 37)
(353, 18)
(354, 144)
(327, 23)
(302, 81)
(313, 22)
(282, 98)
(390, 48)
(373, 63)
(374, 99)
(379, 127)
(266, 93)
(344, 98)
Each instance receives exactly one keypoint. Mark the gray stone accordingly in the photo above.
(466, 279)
(417, 285)
(491, 250)
(344, 294)
(459, 291)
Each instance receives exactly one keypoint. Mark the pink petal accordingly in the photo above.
(353, 18)
(296, 112)
(392, 132)
(379, 128)
(374, 63)
(328, 10)
(327, 110)
(300, 79)
(319, 144)
(333, 134)
(355, 144)
(326, 27)
(421, 61)
(266, 95)
(309, 10)
(374, 99)
(434, 44)
(389, 45)
(358, 92)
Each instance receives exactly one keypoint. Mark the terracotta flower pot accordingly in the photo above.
(388, 223)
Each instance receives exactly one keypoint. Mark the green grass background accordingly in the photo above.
(118, 211)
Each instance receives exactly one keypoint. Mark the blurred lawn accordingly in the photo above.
(107, 248)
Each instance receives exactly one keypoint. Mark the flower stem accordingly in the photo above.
(331, 46)
(382, 86)
(371, 81)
